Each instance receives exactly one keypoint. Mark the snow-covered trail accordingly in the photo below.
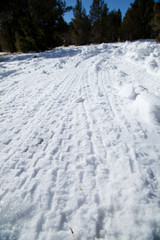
(80, 143)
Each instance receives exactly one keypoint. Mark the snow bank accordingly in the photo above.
(3, 53)
(148, 106)
(147, 53)
(128, 91)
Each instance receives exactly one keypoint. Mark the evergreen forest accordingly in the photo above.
(38, 25)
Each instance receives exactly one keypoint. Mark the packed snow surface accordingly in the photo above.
(80, 143)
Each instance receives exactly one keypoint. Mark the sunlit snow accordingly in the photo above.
(80, 143)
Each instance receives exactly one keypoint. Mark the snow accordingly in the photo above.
(80, 143)
(149, 107)
(128, 91)
(3, 53)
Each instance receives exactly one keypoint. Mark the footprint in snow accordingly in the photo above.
(79, 100)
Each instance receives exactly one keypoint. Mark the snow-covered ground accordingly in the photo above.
(80, 143)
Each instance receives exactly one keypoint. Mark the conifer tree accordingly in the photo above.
(136, 23)
(98, 17)
(104, 24)
(96, 10)
(156, 21)
(78, 11)
(47, 19)
(31, 24)
(127, 27)
(80, 26)
(114, 25)
(7, 38)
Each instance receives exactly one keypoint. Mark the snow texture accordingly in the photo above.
(149, 107)
(80, 143)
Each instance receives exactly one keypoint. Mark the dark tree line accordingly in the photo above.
(27, 25)
(31, 24)
(100, 26)
(137, 23)
(155, 23)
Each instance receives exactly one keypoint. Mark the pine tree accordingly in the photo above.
(80, 26)
(78, 11)
(127, 27)
(136, 23)
(98, 17)
(114, 22)
(31, 24)
(104, 24)
(96, 10)
(156, 21)
(47, 19)
(7, 38)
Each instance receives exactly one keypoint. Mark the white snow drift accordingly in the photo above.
(149, 107)
(80, 143)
